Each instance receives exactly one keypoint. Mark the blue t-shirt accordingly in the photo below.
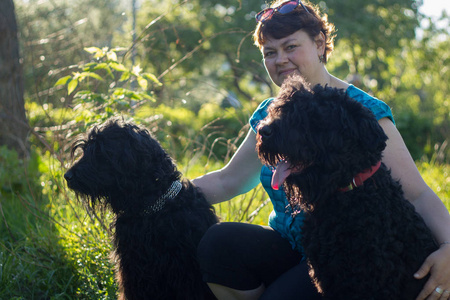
(281, 218)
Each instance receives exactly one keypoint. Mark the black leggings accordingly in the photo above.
(244, 256)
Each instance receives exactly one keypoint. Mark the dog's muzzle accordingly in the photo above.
(68, 175)
(265, 131)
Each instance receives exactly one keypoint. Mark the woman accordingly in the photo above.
(243, 261)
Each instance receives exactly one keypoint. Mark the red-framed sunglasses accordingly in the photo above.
(283, 8)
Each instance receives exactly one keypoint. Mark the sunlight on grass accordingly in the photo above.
(438, 178)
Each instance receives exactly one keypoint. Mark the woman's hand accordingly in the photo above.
(438, 266)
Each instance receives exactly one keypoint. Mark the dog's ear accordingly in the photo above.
(136, 148)
(371, 135)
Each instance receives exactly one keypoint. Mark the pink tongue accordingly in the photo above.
(280, 174)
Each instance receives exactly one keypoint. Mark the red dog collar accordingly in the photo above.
(359, 179)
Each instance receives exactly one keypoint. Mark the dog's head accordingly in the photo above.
(121, 165)
(317, 139)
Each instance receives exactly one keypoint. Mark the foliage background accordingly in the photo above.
(190, 73)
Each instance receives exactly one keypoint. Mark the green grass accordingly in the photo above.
(253, 207)
(50, 248)
(438, 178)
(33, 265)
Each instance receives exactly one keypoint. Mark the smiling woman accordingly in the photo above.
(299, 50)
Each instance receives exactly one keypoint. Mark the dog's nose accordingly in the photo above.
(68, 175)
(265, 131)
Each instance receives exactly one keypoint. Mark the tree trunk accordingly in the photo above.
(13, 123)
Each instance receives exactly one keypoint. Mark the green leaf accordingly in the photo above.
(119, 91)
(119, 49)
(135, 96)
(152, 78)
(63, 80)
(118, 67)
(79, 118)
(99, 54)
(76, 76)
(101, 66)
(125, 76)
(72, 86)
(93, 75)
(92, 50)
(104, 66)
(148, 97)
(83, 93)
(142, 82)
(111, 55)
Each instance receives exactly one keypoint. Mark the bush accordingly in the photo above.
(419, 132)
(15, 172)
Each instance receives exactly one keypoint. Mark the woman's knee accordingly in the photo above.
(216, 244)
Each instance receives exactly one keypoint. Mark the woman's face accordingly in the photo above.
(294, 54)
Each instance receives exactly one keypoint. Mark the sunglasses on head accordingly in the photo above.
(283, 8)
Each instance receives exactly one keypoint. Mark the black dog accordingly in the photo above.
(159, 220)
(362, 239)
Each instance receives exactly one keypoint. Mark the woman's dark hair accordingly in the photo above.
(282, 25)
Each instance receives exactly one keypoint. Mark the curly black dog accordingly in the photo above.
(159, 220)
(362, 238)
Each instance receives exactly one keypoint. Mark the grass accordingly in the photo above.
(33, 265)
(50, 248)
(438, 178)
(253, 207)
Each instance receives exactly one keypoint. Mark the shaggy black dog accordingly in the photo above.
(159, 220)
(362, 239)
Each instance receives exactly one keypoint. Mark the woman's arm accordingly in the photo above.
(397, 157)
(239, 176)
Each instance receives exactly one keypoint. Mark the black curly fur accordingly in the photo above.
(123, 168)
(362, 244)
